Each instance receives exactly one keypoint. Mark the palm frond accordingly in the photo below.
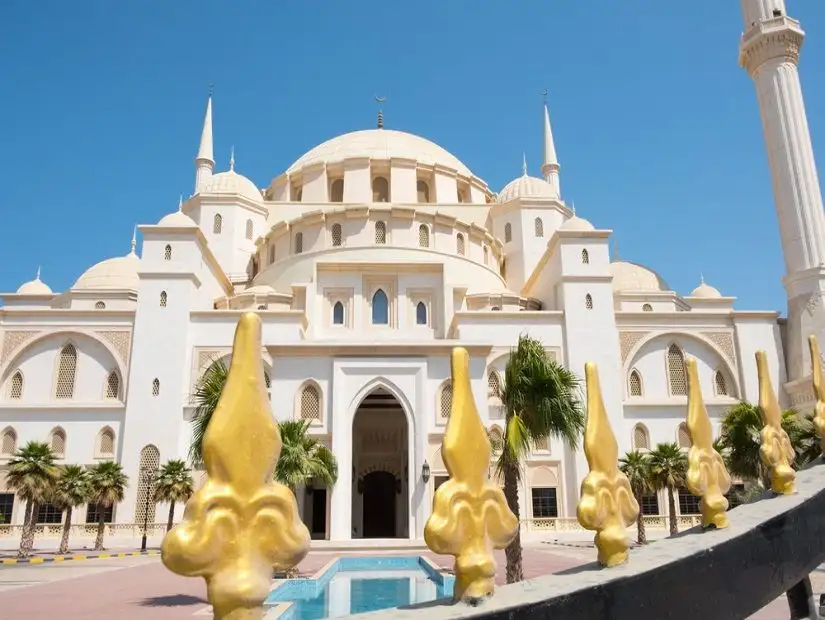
(205, 397)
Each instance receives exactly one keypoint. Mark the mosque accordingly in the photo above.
(369, 259)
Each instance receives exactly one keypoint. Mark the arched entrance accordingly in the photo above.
(380, 498)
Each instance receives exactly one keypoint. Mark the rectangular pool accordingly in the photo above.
(357, 585)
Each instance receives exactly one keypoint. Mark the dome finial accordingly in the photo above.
(134, 239)
(37, 277)
(573, 207)
(180, 204)
(701, 278)
(232, 159)
(380, 101)
(524, 163)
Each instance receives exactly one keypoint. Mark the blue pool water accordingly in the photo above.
(358, 585)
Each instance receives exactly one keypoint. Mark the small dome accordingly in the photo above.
(577, 223)
(526, 187)
(706, 291)
(630, 277)
(230, 182)
(115, 273)
(260, 289)
(177, 219)
(35, 287)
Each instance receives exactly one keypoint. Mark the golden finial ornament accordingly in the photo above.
(607, 504)
(706, 476)
(240, 523)
(819, 390)
(776, 449)
(470, 515)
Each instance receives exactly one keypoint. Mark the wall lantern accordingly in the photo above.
(425, 472)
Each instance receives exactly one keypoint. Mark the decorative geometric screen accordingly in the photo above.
(446, 400)
(380, 233)
(299, 243)
(249, 229)
(217, 224)
(459, 244)
(112, 385)
(167, 253)
(676, 371)
(100, 305)
(66, 368)
(336, 235)
(585, 257)
(635, 383)
(539, 227)
(9, 443)
(16, 386)
(641, 441)
(163, 299)
(149, 462)
(423, 236)
(684, 436)
(588, 301)
(493, 384)
(155, 387)
(310, 403)
(58, 441)
(107, 442)
(721, 385)
(508, 233)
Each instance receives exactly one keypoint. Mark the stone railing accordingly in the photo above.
(566, 524)
(83, 530)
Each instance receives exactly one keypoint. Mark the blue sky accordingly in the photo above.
(656, 126)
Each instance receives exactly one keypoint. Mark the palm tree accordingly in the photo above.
(174, 484)
(205, 397)
(32, 475)
(541, 399)
(636, 466)
(668, 469)
(108, 485)
(72, 489)
(303, 458)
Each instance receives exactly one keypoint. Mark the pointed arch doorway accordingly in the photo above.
(380, 495)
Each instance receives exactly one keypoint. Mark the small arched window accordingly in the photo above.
(249, 229)
(588, 301)
(538, 225)
(112, 389)
(106, 442)
(423, 236)
(641, 438)
(493, 384)
(271, 253)
(267, 380)
(163, 299)
(585, 257)
(647, 308)
(155, 387)
(338, 313)
(486, 255)
(635, 382)
(420, 313)
(8, 445)
(380, 189)
(57, 441)
(496, 440)
(495, 309)
(167, 252)
(423, 190)
(676, 371)
(380, 308)
(380, 233)
(337, 237)
(217, 224)
(445, 400)
(508, 232)
(16, 386)
(299, 242)
(310, 403)
(684, 436)
(66, 372)
(336, 191)
(262, 307)
(459, 244)
(721, 384)
(100, 305)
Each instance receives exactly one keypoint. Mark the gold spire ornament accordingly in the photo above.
(607, 504)
(706, 476)
(470, 515)
(819, 390)
(776, 449)
(240, 523)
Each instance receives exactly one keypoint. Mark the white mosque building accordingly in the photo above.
(368, 260)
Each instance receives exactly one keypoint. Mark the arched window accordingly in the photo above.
(635, 382)
(380, 190)
(380, 308)
(420, 313)
(57, 441)
(538, 225)
(445, 400)
(496, 439)
(588, 301)
(380, 233)
(249, 229)
(106, 442)
(156, 387)
(641, 438)
(486, 255)
(149, 462)
(336, 235)
(271, 253)
(493, 384)
(459, 244)
(217, 224)
(163, 299)
(336, 191)
(495, 309)
(676, 371)
(167, 252)
(338, 313)
(8, 445)
(66, 371)
(721, 384)
(16, 386)
(262, 307)
(299, 243)
(423, 189)
(267, 380)
(585, 257)
(310, 403)
(508, 232)
(100, 305)
(423, 236)
(684, 436)
(112, 386)
(647, 308)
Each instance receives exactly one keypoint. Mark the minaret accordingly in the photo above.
(769, 52)
(550, 167)
(205, 161)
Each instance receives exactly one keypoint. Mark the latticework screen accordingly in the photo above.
(66, 370)
(310, 403)
(676, 371)
(149, 462)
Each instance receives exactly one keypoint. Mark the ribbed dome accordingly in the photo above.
(577, 223)
(706, 291)
(230, 182)
(526, 187)
(115, 273)
(35, 287)
(630, 277)
(177, 219)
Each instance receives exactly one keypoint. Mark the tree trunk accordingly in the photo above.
(171, 515)
(641, 536)
(27, 538)
(67, 525)
(515, 569)
(671, 506)
(101, 525)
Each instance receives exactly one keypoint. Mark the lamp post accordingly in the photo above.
(148, 476)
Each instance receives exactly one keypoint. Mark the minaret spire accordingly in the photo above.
(205, 161)
(769, 52)
(550, 167)
(232, 159)
(38, 273)
(134, 240)
(524, 164)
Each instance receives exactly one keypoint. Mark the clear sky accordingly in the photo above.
(656, 126)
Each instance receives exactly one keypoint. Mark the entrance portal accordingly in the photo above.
(380, 498)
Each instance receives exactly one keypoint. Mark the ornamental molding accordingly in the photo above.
(13, 341)
(120, 340)
(782, 45)
(628, 340)
(723, 340)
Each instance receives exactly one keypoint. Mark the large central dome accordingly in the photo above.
(380, 144)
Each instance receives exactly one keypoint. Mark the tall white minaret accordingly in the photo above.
(769, 52)
(550, 167)
(205, 161)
